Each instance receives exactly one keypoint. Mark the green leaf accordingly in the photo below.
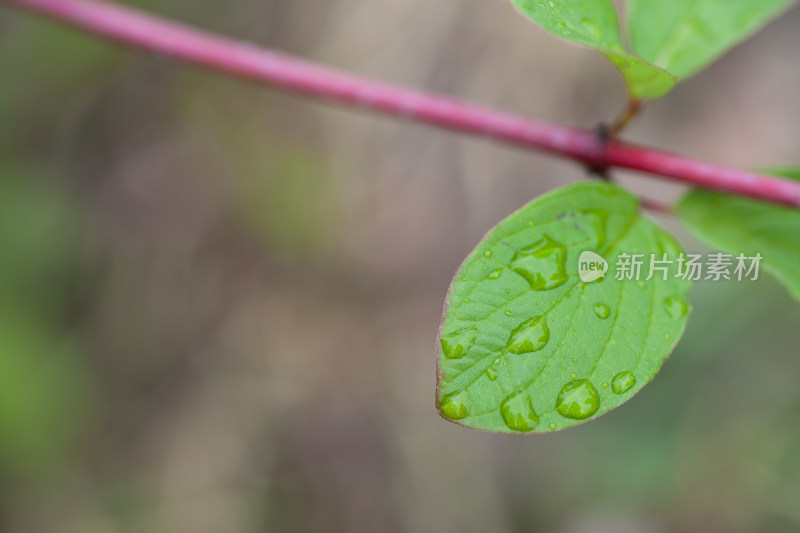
(645, 82)
(743, 225)
(683, 36)
(525, 346)
(793, 173)
(594, 23)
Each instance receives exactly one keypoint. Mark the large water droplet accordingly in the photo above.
(602, 311)
(494, 274)
(517, 411)
(453, 405)
(530, 336)
(676, 307)
(623, 382)
(542, 264)
(487, 254)
(455, 345)
(578, 399)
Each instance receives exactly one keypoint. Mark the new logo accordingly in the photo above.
(591, 267)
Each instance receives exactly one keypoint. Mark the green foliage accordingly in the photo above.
(683, 36)
(526, 346)
(743, 225)
(43, 396)
(594, 23)
(792, 173)
(671, 39)
(44, 383)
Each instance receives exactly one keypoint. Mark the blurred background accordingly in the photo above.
(219, 303)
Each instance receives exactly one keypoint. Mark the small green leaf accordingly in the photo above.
(683, 36)
(645, 82)
(526, 346)
(745, 226)
(594, 23)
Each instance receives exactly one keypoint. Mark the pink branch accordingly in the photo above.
(247, 61)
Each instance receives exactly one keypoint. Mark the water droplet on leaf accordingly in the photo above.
(494, 274)
(623, 382)
(676, 307)
(455, 345)
(578, 399)
(491, 372)
(517, 412)
(453, 406)
(530, 336)
(602, 311)
(542, 264)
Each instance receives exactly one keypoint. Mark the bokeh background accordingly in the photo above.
(219, 303)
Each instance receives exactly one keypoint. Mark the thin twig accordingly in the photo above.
(630, 112)
(147, 32)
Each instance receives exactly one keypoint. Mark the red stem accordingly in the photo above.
(146, 32)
